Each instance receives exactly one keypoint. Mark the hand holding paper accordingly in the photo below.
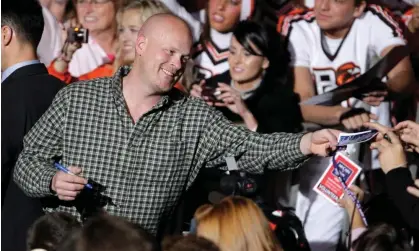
(320, 142)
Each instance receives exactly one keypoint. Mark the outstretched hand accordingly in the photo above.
(320, 143)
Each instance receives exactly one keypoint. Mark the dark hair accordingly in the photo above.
(25, 18)
(381, 237)
(247, 32)
(267, 41)
(188, 243)
(109, 233)
(49, 230)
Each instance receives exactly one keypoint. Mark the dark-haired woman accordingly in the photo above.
(254, 92)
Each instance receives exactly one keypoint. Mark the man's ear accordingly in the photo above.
(140, 44)
(360, 9)
(6, 35)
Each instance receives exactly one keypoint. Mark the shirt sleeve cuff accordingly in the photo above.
(45, 182)
(295, 148)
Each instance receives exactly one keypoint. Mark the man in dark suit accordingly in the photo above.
(27, 91)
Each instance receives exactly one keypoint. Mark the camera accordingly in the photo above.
(76, 34)
(286, 226)
(238, 183)
(210, 92)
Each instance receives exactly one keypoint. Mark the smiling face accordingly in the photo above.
(223, 15)
(96, 17)
(129, 27)
(163, 54)
(245, 67)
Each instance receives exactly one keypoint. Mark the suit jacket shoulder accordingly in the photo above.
(26, 95)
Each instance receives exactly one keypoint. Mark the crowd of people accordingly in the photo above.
(198, 125)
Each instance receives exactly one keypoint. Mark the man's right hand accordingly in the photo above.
(354, 119)
(68, 186)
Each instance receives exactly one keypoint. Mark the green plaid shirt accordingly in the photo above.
(143, 167)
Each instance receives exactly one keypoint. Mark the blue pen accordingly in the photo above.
(62, 168)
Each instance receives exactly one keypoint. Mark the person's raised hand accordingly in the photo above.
(68, 186)
(320, 143)
(231, 99)
(347, 203)
(391, 151)
(409, 133)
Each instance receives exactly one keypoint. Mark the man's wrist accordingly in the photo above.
(305, 144)
(46, 182)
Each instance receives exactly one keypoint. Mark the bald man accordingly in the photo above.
(138, 143)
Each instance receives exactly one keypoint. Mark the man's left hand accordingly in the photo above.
(320, 143)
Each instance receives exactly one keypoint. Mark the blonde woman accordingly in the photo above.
(236, 224)
(130, 18)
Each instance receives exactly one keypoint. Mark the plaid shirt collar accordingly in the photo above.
(173, 96)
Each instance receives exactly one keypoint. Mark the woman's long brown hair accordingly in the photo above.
(236, 224)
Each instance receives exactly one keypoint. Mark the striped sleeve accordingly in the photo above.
(295, 28)
(286, 21)
(385, 30)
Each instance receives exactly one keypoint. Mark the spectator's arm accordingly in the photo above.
(180, 11)
(304, 86)
(64, 76)
(384, 36)
(34, 169)
(401, 77)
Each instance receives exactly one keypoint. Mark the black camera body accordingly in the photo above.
(76, 34)
(238, 183)
(286, 226)
(288, 229)
(209, 89)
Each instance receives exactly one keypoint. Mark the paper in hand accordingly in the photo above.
(329, 185)
(356, 138)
